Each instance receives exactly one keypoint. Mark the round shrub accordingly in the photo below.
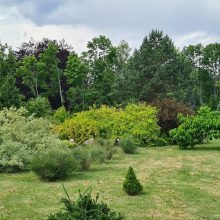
(54, 163)
(83, 158)
(108, 147)
(60, 115)
(168, 112)
(131, 185)
(128, 145)
(98, 155)
(39, 106)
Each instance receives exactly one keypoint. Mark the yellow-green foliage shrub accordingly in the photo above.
(139, 121)
(78, 128)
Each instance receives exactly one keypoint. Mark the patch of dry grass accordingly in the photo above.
(178, 184)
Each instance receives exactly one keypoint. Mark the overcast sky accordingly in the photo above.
(78, 21)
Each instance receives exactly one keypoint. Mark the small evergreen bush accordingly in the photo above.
(131, 185)
(54, 164)
(85, 208)
(128, 145)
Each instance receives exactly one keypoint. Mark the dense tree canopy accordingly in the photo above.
(109, 74)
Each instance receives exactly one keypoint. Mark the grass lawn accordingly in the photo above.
(178, 184)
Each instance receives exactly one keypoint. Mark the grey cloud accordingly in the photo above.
(174, 15)
(131, 19)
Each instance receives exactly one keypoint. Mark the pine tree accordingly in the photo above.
(131, 185)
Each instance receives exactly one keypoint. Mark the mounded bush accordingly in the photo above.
(108, 147)
(131, 184)
(197, 129)
(85, 208)
(54, 164)
(60, 115)
(98, 154)
(39, 106)
(128, 145)
(14, 157)
(168, 112)
(139, 121)
(21, 137)
(83, 157)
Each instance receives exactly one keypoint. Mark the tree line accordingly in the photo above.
(108, 74)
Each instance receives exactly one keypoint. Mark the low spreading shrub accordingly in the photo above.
(85, 208)
(128, 145)
(131, 184)
(54, 163)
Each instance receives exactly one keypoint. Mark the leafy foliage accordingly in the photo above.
(168, 112)
(22, 136)
(60, 115)
(131, 185)
(197, 129)
(140, 121)
(39, 106)
(85, 208)
(54, 163)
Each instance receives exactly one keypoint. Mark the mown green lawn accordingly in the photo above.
(178, 184)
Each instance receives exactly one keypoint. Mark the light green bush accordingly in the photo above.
(128, 144)
(54, 163)
(98, 154)
(197, 129)
(83, 157)
(139, 121)
(21, 136)
(60, 115)
(39, 106)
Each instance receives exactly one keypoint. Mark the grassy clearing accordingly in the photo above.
(178, 184)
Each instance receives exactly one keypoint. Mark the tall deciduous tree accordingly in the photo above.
(101, 57)
(29, 74)
(9, 93)
(77, 78)
(50, 73)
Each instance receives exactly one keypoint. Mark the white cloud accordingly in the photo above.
(195, 38)
(129, 20)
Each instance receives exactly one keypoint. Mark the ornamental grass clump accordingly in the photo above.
(128, 145)
(131, 184)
